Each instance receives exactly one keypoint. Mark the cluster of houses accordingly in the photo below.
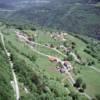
(29, 37)
(59, 36)
(62, 66)
(66, 50)
(23, 37)
(62, 47)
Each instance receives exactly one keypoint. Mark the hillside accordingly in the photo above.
(38, 74)
(49, 49)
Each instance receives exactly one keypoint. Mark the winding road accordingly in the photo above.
(96, 69)
(16, 87)
(54, 49)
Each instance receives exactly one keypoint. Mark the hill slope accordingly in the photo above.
(35, 54)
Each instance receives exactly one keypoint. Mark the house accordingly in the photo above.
(68, 65)
(62, 70)
(65, 34)
(52, 59)
(62, 67)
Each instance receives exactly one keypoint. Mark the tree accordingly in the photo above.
(20, 28)
(65, 44)
(33, 38)
(84, 86)
(1, 47)
(33, 29)
(70, 58)
(52, 46)
(11, 57)
(91, 62)
(33, 58)
(74, 96)
(97, 97)
(78, 82)
(73, 43)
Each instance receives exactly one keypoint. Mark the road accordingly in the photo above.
(86, 95)
(96, 69)
(40, 53)
(16, 87)
(54, 49)
(75, 57)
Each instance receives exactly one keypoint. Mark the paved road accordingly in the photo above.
(11, 65)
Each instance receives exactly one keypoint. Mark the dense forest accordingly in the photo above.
(77, 16)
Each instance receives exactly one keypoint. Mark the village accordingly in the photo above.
(63, 66)
(55, 54)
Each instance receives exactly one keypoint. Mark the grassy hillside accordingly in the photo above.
(38, 78)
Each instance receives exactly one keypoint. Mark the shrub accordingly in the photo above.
(84, 86)
(78, 82)
(70, 58)
(97, 97)
(74, 96)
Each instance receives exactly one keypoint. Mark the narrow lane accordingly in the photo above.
(16, 87)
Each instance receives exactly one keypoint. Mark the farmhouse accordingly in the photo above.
(52, 59)
(68, 65)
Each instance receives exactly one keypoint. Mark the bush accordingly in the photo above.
(97, 97)
(70, 58)
(81, 90)
(6, 91)
(74, 96)
(90, 63)
(78, 82)
(84, 86)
